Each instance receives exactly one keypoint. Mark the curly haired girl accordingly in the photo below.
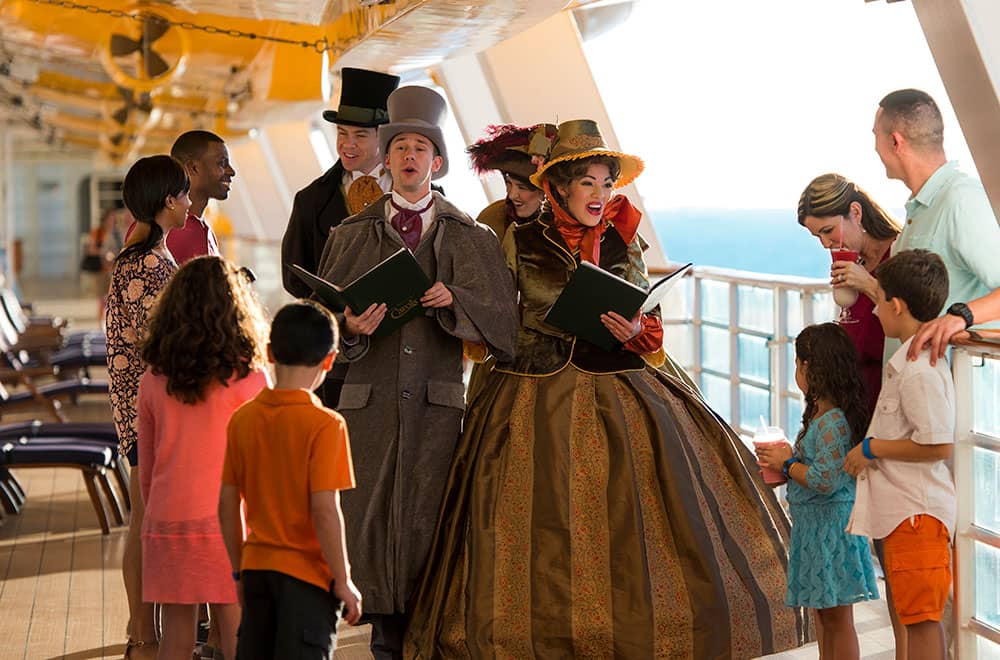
(205, 347)
(828, 569)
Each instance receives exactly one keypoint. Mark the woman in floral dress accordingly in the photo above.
(155, 191)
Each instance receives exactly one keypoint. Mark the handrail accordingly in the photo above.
(732, 275)
(982, 342)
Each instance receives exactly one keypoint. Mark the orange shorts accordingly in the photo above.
(918, 563)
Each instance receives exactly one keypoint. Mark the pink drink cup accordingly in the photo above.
(771, 477)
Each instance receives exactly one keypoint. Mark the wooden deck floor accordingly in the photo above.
(61, 593)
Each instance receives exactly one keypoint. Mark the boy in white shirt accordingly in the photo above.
(905, 492)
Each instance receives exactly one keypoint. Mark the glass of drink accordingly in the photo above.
(770, 436)
(845, 296)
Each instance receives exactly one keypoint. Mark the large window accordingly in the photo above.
(735, 106)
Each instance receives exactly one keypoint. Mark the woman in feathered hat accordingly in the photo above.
(596, 506)
(507, 149)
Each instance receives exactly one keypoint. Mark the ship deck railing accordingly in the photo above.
(735, 331)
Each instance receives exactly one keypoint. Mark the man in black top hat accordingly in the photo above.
(357, 179)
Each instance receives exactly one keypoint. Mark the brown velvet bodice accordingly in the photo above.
(542, 264)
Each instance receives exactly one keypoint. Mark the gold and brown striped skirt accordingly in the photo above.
(603, 516)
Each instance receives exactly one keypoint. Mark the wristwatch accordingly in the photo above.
(962, 310)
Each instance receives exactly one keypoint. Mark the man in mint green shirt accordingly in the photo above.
(948, 211)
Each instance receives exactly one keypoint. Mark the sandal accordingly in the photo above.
(135, 644)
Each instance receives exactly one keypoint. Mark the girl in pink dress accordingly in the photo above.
(205, 349)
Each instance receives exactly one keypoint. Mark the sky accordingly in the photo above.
(739, 104)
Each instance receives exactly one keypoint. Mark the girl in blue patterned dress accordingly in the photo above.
(828, 569)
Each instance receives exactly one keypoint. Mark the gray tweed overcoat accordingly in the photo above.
(403, 397)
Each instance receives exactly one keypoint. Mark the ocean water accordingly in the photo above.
(759, 240)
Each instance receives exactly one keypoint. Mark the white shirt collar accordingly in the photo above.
(419, 204)
(379, 172)
(898, 360)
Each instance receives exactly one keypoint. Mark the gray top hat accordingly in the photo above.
(420, 110)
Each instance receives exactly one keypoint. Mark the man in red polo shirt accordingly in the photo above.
(206, 159)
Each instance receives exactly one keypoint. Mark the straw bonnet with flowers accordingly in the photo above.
(576, 140)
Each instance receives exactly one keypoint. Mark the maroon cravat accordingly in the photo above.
(407, 222)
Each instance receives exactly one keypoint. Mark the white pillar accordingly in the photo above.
(964, 38)
(541, 75)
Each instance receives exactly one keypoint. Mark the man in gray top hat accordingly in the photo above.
(403, 396)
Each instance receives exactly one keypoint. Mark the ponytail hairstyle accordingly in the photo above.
(206, 327)
(830, 195)
(145, 190)
(832, 373)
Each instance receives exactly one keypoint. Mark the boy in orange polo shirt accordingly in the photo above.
(905, 493)
(287, 458)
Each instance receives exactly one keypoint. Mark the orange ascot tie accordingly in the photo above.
(618, 212)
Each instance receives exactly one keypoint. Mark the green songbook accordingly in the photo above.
(398, 281)
(592, 291)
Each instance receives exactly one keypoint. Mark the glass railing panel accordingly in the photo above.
(715, 301)
(790, 366)
(986, 394)
(718, 394)
(678, 341)
(987, 586)
(756, 308)
(793, 303)
(755, 402)
(793, 417)
(754, 358)
(715, 353)
(986, 467)
(823, 308)
(679, 302)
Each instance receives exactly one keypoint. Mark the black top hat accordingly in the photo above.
(363, 96)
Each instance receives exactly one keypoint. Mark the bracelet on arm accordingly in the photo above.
(788, 466)
(866, 448)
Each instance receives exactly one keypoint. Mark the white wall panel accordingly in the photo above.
(294, 154)
(542, 75)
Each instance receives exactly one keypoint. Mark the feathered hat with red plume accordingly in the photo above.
(509, 148)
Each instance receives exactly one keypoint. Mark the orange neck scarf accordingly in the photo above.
(618, 212)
